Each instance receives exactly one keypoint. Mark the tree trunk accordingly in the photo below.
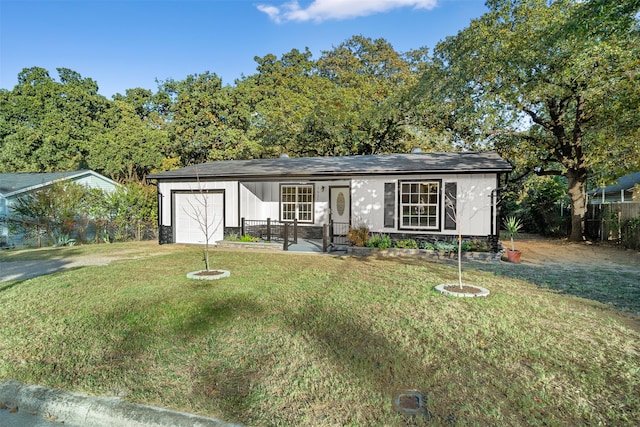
(577, 180)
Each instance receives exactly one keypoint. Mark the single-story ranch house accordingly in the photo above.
(15, 185)
(396, 194)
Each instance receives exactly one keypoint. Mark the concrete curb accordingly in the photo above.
(76, 409)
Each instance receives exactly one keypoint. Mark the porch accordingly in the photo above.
(293, 237)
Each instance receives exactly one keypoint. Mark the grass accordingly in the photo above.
(614, 285)
(292, 339)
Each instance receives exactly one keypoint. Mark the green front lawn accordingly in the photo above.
(295, 339)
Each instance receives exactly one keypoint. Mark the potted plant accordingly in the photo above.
(512, 226)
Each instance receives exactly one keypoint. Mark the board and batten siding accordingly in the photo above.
(230, 198)
(473, 199)
(261, 200)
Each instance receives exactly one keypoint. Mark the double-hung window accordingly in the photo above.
(420, 205)
(296, 202)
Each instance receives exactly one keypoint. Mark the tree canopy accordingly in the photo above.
(551, 84)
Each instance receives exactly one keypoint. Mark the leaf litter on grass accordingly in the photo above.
(322, 341)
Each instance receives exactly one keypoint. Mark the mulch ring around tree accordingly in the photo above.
(208, 274)
(465, 290)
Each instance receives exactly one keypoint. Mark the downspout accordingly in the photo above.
(159, 214)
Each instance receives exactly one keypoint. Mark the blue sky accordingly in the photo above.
(123, 44)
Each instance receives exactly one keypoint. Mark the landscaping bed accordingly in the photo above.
(423, 254)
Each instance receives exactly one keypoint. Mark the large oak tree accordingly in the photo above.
(541, 81)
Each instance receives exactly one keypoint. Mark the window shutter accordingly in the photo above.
(450, 194)
(389, 204)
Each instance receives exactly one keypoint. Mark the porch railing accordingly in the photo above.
(271, 230)
(334, 234)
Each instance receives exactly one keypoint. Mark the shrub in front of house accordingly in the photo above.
(427, 246)
(380, 241)
(446, 247)
(247, 238)
(358, 235)
(478, 245)
(406, 244)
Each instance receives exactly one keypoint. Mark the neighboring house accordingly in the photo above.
(626, 189)
(396, 194)
(14, 185)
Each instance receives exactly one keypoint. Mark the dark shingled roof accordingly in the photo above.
(382, 164)
(11, 182)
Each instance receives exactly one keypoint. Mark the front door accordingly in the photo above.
(340, 209)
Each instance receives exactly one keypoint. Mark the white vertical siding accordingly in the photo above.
(230, 199)
(367, 202)
(321, 201)
(473, 202)
(261, 200)
(250, 203)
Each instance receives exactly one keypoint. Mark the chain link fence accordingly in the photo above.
(20, 234)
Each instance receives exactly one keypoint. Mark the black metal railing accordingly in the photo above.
(271, 230)
(338, 233)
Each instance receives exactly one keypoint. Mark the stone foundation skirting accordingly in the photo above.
(423, 253)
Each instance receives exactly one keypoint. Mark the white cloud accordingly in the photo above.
(272, 11)
(323, 10)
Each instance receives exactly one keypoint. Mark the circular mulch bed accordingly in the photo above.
(208, 274)
(468, 291)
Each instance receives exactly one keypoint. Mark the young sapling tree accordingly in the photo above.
(200, 211)
(455, 204)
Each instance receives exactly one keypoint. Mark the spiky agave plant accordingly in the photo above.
(513, 226)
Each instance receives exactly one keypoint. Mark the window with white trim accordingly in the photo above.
(296, 202)
(420, 205)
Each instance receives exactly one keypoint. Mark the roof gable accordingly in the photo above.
(382, 164)
(12, 184)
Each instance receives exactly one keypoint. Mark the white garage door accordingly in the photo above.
(190, 209)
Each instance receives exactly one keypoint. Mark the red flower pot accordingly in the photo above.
(514, 256)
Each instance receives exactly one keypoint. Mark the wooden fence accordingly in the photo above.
(617, 222)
